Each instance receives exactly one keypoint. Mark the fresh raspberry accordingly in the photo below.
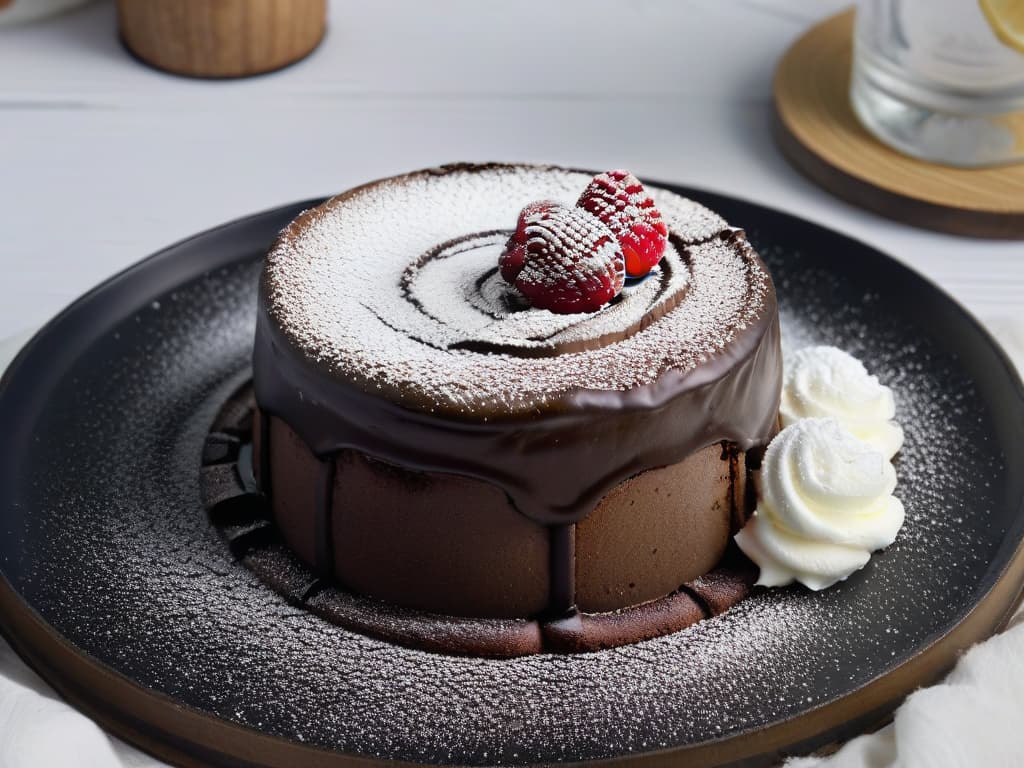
(619, 200)
(513, 258)
(568, 261)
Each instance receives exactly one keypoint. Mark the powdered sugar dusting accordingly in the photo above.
(334, 284)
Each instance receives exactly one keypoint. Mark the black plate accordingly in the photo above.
(104, 540)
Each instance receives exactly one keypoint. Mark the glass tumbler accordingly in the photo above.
(931, 79)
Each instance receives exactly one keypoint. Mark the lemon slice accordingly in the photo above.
(1007, 20)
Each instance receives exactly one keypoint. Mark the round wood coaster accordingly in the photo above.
(820, 135)
(221, 38)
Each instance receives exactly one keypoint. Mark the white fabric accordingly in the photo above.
(971, 719)
(39, 729)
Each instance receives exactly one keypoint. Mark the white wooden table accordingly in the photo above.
(103, 161)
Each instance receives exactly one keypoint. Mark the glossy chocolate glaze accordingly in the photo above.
(555, 467)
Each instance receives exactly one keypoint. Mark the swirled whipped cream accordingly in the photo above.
(826, 381)
(824, 504)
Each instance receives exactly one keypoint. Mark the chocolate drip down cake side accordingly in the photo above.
(450, 426)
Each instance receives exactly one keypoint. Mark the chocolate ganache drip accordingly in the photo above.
(399, 339)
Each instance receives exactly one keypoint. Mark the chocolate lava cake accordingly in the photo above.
(428, 439)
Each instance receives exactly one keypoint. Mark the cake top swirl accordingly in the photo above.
(393, 287)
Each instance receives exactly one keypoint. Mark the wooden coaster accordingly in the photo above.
(820, 135)
(221, 38)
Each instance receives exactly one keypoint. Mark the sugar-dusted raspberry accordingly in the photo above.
(512, 259)
(563, 259)
(619, 200)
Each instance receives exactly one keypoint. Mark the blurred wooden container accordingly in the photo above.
(221, 38)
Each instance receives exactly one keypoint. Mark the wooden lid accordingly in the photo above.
(221, 38)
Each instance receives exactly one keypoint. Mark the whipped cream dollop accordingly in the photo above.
(824, 504)
(826, 381)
